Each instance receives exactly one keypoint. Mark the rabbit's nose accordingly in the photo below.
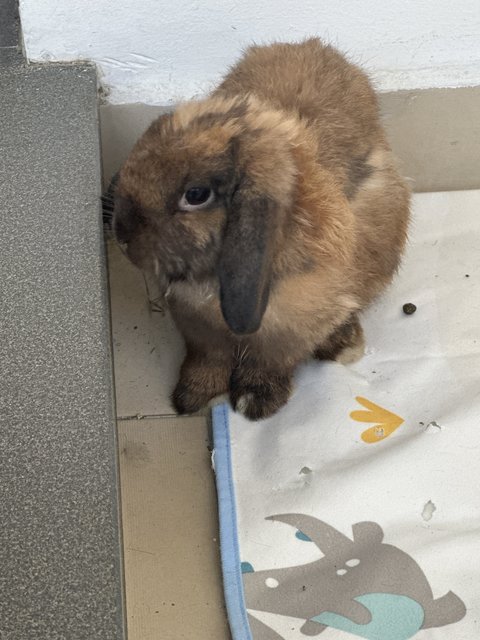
(126, 220)
(122, 231)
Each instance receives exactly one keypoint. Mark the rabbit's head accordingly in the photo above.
(204, 196)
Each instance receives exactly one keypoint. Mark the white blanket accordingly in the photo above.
(357, 508)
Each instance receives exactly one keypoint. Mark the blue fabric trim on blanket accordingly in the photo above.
(229, 548)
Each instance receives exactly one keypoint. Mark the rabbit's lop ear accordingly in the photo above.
(245, 266)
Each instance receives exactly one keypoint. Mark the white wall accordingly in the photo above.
(159, 51)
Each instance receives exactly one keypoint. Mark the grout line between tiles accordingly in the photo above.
(204, 413)
(142, 416)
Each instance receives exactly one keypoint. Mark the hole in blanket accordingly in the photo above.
(305, 471)
(428, 511)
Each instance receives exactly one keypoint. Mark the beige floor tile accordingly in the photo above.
(148, 349)
(169, 511)
(172, 563)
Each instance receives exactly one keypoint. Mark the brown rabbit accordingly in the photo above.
(273, 214)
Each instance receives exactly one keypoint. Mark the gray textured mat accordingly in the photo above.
(60, 561)
(9, 23)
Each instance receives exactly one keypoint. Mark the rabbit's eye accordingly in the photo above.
(196, 198)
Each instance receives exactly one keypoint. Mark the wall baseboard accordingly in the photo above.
(435, 134)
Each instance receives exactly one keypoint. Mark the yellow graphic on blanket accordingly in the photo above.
(385, 422)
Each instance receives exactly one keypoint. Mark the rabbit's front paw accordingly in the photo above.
(199, 382)
(259, 394)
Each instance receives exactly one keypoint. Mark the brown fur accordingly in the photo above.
(307, 228)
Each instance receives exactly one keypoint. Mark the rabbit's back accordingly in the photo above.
(336, 100)
(318, 84)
